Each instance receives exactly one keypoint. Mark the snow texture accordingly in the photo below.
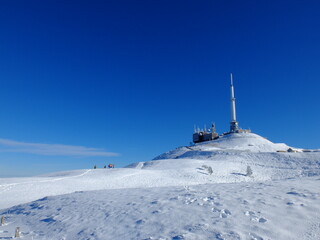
(174, 196)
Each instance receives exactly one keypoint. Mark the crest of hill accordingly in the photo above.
(249, 142)
(244, 142)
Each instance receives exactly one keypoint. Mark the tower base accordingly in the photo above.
(234, 127)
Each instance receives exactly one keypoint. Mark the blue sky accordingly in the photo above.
(98, 82)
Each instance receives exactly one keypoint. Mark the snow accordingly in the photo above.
(174, 196)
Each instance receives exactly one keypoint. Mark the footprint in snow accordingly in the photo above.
(253, 217)
(261, 201)
(262, 220)
(35, 205)
(245, 202)
(218, 204)
(249, 213)
(254, 236)
(141, 221)
(48, 220)
(208, 199)
(190, 200)
(224, 213)
(173, 198)
(230, 236)
(297, 194)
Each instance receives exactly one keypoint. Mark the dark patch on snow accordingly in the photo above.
(19, 210)
(141, 221)
(42, 199)
(178, 237)
(240, 174)
(36, 205)
(297, 194)
(262, 220)
(48, 220)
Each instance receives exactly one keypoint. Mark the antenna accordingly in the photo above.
(233, 123)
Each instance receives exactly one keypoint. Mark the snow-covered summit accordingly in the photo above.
(242, 141)
(239, 142)
(248, 142)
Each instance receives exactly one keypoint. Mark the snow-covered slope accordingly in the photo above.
(175, 197)
(266, 210)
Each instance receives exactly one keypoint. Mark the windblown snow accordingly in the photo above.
(194, 192)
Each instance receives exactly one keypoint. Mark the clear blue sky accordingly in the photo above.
(123, 81)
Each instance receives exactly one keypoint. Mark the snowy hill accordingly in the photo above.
(174, 196)
(248, 142)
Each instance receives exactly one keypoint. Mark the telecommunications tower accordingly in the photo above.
(233, 124)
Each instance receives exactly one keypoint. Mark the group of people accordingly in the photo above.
(110, 165)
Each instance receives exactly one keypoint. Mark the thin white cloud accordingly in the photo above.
(52, 149)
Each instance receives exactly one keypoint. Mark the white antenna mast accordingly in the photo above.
(234, 123)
